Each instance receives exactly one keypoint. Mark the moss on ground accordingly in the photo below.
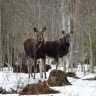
(94, 78)
(37, 88)
(71, 74)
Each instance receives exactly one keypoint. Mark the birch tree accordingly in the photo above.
(90, 39)
(71, 14)
(64, 26)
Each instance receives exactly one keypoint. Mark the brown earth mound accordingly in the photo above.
(39, 88)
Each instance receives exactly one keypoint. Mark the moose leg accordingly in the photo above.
(44, 61)
(35, 67)
(28, 68)
(57, 62)
(64, 63)
(31, 63)
(41, 68)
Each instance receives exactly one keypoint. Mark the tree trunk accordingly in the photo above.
(64, 27)
(90, 39)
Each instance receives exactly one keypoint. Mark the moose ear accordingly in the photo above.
(44, 29)
(35, 29)
(63, 32)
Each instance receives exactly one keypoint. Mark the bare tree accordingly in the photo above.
(89, 31)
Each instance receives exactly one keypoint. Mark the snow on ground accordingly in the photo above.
(79, 87)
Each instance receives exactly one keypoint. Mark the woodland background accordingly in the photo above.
(18, 17)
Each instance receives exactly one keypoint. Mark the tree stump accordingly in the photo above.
(58, 78)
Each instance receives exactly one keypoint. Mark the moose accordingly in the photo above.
(59, 48)
(35, 48)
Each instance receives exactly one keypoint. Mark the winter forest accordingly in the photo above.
(19, 17)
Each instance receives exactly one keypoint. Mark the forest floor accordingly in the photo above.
(84, 86)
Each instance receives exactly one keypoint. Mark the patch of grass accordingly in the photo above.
(71, 74)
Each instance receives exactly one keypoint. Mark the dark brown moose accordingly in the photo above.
(60, 47)
(35, 48)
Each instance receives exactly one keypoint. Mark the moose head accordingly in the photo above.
(67, 36)
(40, 37)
